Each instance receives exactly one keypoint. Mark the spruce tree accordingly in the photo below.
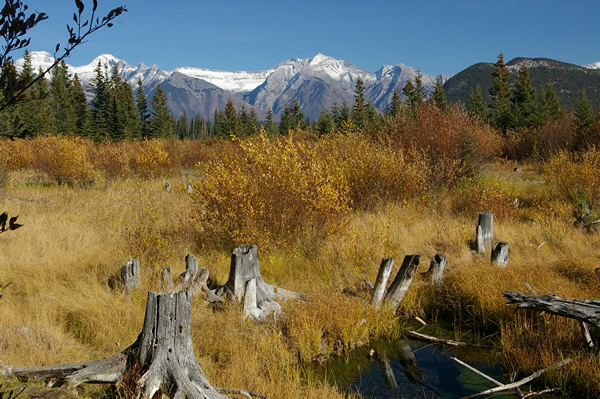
(100, 107)
(142, 108)
(439, 95)
(29, 110)
(230, 122)
(523, 100)
(501, 112)
(359, 117)
(584, 118)
(182, 128)
(65, 122)
(395, 106)
(475, 105)
(127, 118)
(271, 126)
(325, 124)
(81, 108)
(549, 104)
(292, 118)
(161, 122)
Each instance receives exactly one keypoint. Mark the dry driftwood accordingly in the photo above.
(161, 360)
(517, 384)
(584, 310)
(428, 338)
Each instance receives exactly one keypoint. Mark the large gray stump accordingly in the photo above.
(485, 232)
(161, 360)
(500, 254)
(130, 275)
(262, 296)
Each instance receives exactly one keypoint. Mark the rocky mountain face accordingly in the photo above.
(567, 79)
(316, 83)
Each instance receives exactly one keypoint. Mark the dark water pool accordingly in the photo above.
(412, 369)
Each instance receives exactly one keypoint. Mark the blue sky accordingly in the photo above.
(436, 36)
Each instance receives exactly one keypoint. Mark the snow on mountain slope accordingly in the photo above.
(595, 65)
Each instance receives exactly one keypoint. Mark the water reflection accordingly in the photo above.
(411, 369)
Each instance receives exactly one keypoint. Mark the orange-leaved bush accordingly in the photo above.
(152, 159)
(275, 193)
(64, 159)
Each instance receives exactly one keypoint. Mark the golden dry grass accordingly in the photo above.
(61, 308)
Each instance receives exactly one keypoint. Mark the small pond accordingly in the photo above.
(413, 369)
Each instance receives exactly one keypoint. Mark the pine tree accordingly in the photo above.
(271, 126)
(161, 122)
(142, 109)
(501, 115)
(128, 123)
(359, 117)
(523, 100)
(101, 106)
(29, 110)
(81, 108)
(44, 122)
(395, 106)
(439, 95)
(549, 104)
(182, 128)
(325, 124)
(292, 118)
(584, 118)
(64, 113)
(475, 105)
(230, 122)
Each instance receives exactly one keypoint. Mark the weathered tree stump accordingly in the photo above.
(244, 268)
(485, 232)
(165, 284)
(381, 283)
(500, 254)
(436, 269)
(130, 275)
(161, 360)
(403, 279)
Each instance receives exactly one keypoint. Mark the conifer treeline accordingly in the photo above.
(60, 107)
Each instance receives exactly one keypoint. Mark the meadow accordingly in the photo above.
(323, 211)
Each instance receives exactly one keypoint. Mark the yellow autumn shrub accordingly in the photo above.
(273, 193)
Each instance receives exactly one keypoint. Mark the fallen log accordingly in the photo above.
(584, 310)
(429, 338)
(161, 360)
(517, 384)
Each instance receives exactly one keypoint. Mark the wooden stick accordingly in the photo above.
(428, 338)
(473, 369)
(517, 384)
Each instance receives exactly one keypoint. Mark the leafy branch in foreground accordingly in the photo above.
(15, 23)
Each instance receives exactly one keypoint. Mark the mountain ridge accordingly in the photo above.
(317, 83)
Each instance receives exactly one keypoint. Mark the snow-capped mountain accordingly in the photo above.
(316, 83)
(595, 65)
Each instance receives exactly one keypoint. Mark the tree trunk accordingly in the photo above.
(485, 232)
(403, 279)
(500, 254)
(161, 360)
(381, 283)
